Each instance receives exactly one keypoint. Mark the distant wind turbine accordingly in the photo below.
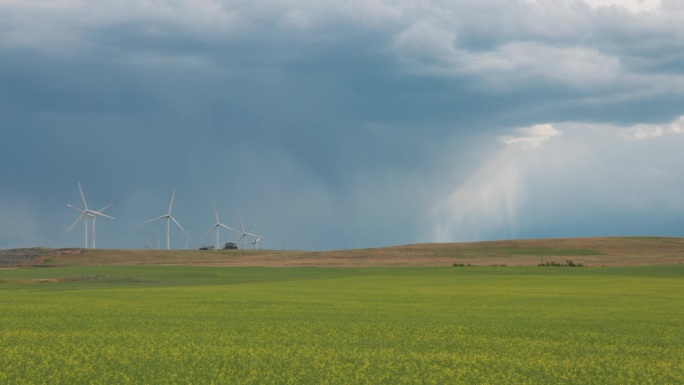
(93, 216)
(87, 213)
(243, 235)
(217, 226)
(255, 241)
(169, 218)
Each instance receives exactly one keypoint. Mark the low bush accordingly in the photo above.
(568, 263)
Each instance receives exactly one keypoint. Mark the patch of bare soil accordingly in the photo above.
(52, 280)
(30, 256)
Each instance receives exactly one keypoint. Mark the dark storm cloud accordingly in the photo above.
(347, 123)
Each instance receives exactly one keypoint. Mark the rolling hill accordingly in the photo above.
(604, 251)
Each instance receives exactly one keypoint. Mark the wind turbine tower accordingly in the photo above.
(93, 217)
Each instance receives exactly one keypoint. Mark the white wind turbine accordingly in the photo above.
(93, 216)
(169, 218)
(256, 238)
(217, 226)
(244, 234)
(255, 241)
(87, 213)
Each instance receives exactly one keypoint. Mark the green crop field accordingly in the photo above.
(398, 325)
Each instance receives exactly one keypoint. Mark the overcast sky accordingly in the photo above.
(341, 124)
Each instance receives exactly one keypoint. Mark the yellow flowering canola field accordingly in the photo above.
(201, 325)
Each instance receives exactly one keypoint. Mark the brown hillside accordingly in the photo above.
(613, 251)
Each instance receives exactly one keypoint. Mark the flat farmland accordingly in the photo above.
(116, 324)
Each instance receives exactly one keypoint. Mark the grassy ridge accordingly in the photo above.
(612, 251)
(176, 324)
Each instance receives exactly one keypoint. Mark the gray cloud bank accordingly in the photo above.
(342, 124)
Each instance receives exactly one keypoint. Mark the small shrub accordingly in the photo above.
(568, 263)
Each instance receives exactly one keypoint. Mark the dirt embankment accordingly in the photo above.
(613, 251)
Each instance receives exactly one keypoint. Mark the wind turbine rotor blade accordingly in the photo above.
(178, 224)
(159, 217)
(106, 207)
(82, 196)
(227, 227)
(98, 213)
(242, 226)
(173, 195)
(208, 231)
(216, 212)
(76, 221)
(77, 209)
